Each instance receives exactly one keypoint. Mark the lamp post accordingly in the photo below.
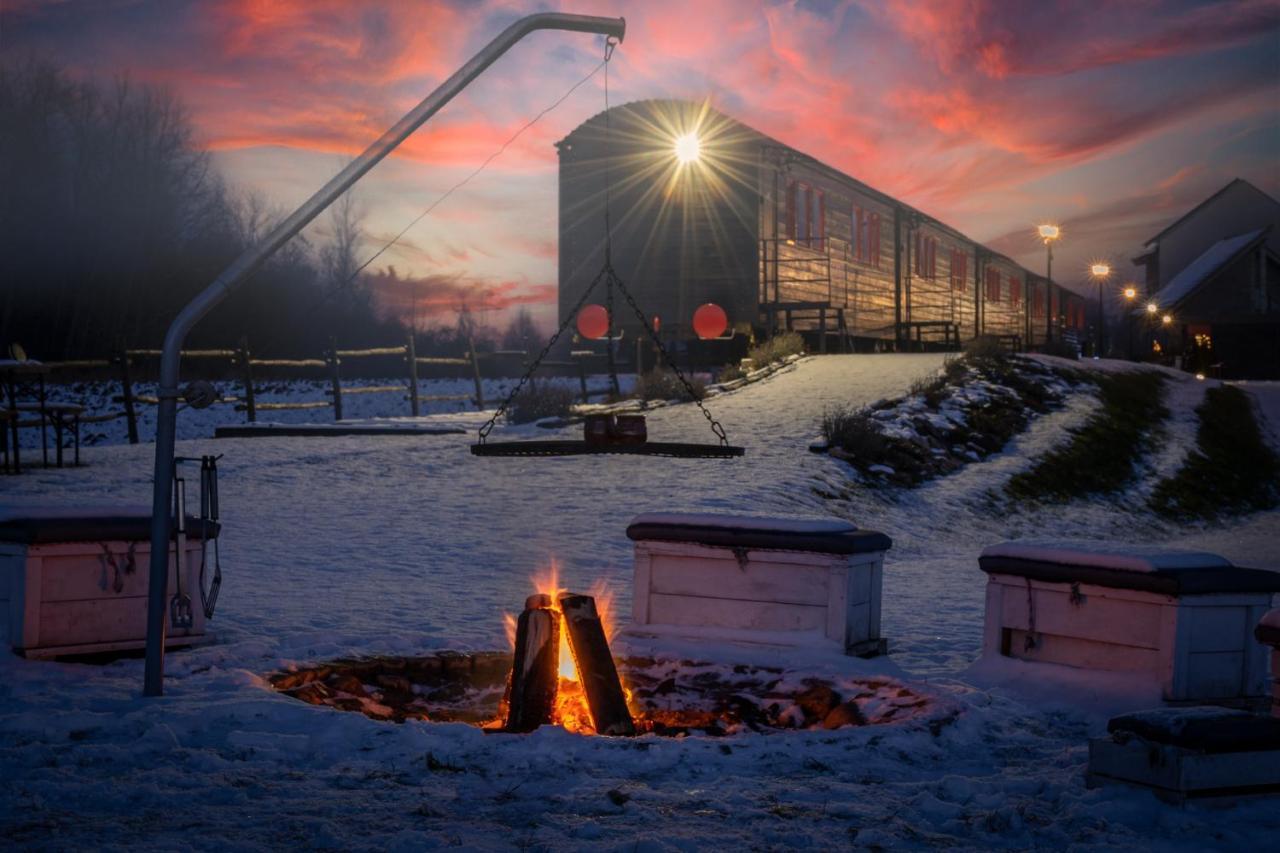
(1048, 233)
(1100, 271)
(1130, 294)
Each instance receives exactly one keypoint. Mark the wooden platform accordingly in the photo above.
(330, 430)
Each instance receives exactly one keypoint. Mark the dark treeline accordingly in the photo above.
(111, 219)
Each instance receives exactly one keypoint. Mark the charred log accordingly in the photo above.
(605, 699)
(531, 698)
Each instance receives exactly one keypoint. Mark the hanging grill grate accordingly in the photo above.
(534, 448)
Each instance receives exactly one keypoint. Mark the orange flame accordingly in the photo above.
(571, 710)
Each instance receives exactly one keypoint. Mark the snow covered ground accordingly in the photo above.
(342, 546)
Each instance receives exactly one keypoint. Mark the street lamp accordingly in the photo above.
(1048, 233)
(1130, 294)
(1100, 271)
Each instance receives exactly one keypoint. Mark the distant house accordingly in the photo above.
(1215, 272)
(779, 240)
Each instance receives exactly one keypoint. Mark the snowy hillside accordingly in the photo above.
(343, 546)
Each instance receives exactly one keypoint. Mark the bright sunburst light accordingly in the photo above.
(688, 148)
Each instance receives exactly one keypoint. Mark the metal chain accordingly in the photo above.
(671, 362)
(533, 367)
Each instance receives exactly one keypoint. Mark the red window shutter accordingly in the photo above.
(820, 238)
(790, 230)
(873, 242)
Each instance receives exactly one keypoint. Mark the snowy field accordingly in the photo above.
(342, 546)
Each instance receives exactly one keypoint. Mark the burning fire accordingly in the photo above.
(571, 710)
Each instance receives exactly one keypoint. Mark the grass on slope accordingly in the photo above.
(1102, 455)
(1231, 471)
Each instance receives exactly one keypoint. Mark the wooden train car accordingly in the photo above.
(707, 209)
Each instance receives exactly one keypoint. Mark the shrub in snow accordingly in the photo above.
(1101, 457)
(1232, 470)
(546, 400)
(966, 412)
(665, 385)
(776, 349)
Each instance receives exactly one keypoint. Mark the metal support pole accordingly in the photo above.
(239, 271)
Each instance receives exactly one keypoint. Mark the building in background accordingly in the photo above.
(1215, 274)
(707, 209)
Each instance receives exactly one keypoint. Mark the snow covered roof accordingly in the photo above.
(1204, 267)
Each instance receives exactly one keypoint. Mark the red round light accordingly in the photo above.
(710, 321)
(593, 322)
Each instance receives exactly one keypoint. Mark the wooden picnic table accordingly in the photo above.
(16, 376)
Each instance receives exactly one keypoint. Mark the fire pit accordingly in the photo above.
(665, 696)
(562, 672)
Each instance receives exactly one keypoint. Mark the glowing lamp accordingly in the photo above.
(1100, 270)
(1167, 319)
(657, 323)
(710, 321)
(688, 148)
(1152, 308)
(1049, 232)
(1130, 292)
(593, 322)
(1200, 376)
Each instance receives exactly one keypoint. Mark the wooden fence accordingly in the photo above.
(242, 360)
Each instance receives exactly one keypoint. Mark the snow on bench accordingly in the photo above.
(1183, 618)
(774, 580)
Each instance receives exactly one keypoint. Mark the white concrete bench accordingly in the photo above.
(1185, 619)
(74, 580)
(772, 580)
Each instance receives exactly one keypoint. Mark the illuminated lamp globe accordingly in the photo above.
(688, 148)
(1100, 270)
(1130, 292)
(1152, 308)
(657, 323)
(593, 322)
(1167, 319)
(710, 321)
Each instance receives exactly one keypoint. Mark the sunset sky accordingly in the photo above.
(1110, 118)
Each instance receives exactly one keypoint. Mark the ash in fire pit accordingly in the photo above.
(666, 697)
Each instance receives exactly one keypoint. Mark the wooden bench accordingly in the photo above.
(74, 580)
(1184, 619)
(778, 581)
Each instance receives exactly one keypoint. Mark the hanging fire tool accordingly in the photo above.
(180, 612)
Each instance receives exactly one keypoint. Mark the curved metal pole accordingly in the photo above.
(239, 271)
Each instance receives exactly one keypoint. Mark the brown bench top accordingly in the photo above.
(820, 535)
(42, 524)
(1119, 566)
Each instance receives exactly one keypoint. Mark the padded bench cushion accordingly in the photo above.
(1204, 729)
(826, 536)
(1122, 567)
(41, 525)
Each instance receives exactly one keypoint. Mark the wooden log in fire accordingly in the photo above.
(535, 672)
(605, 699)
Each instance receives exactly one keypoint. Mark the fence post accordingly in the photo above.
(130, 414)
(332, 357)
(246, 372)
(475, 373)
(411, 354)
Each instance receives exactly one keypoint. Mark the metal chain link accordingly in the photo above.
(671, 362)
(533, 367)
